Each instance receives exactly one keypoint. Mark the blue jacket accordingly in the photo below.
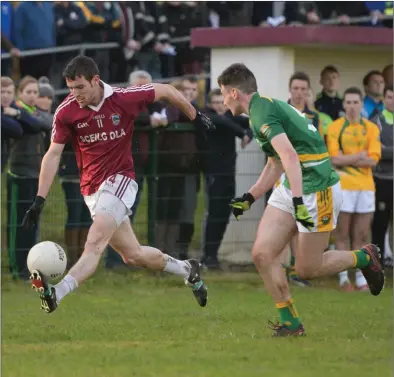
(7, 12)
(34, 25)
(371, 108)
(10, 128)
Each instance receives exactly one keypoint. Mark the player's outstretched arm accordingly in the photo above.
(174, 97)
(49, 168)
(270, 174)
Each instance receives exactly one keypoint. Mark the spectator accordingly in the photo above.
(343, 11)
(34, 28)
(149, 37)
(233, 13)
(329, 101)
(7, 18)
(152, 116)
(324, 119)
(354, 146)
(10, 126)
(378, 9)
(70, 24)
(220, 173)
(22, 181)
(177, 151)
(182, 17)
(44, 102)
(383, 174)
(46, 96)
(299, 85)
(388, 74)
(373, 86)
(103, 26)
(191, 174)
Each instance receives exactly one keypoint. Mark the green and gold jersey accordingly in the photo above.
(270, 117)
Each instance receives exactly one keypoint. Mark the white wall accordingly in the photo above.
(353, 65)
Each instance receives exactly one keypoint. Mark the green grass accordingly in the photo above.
(136, 324)
(55, 214)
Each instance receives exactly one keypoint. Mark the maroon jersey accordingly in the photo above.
(101, 135)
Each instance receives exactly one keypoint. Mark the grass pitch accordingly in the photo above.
(137, 324)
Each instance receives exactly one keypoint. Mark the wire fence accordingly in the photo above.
(152, 211)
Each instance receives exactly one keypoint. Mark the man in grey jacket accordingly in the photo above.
(384, 173)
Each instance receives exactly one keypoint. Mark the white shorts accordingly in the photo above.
(358, 201)
(323, 206)
(115, 197)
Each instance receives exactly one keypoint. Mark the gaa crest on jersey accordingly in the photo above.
(325, 219)
(115, 119)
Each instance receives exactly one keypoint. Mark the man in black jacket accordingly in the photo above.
(220, 173)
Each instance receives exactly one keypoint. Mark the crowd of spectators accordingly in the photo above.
(150, 33)
(145, 31)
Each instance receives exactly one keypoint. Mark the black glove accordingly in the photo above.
(32, 215)
(302, 214)
(201, 120)
(240, 205)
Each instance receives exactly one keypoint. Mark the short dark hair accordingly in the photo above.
(238, 76)
(328, 69)
(191, 78)
(368, 76)
(81, 66)
(212, 93)
(300, 76)
(353, 90)
(388, 88)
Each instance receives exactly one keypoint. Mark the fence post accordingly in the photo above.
(152, 186)
(12, 228)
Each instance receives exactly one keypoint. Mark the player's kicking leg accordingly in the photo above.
(108, 225)
(101, 231)
(126, 244)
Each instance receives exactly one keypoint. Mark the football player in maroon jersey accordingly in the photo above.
(99, 121)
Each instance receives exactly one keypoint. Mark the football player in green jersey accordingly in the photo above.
(306, 204)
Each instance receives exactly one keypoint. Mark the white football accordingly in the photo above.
(49, 258)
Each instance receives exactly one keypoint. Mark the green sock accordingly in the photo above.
(361, 258)
(288, 314)
(292, 261)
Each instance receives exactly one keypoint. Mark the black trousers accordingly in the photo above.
(20, 196)
(383, 213)
(220, 191)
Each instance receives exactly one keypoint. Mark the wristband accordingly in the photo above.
(249, 198)
(297, 201)
(39, 201)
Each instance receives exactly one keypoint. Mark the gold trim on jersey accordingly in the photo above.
(325, 213)
(312, 157)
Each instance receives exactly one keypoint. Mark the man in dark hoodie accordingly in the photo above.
(220, 172)
(383, 173)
